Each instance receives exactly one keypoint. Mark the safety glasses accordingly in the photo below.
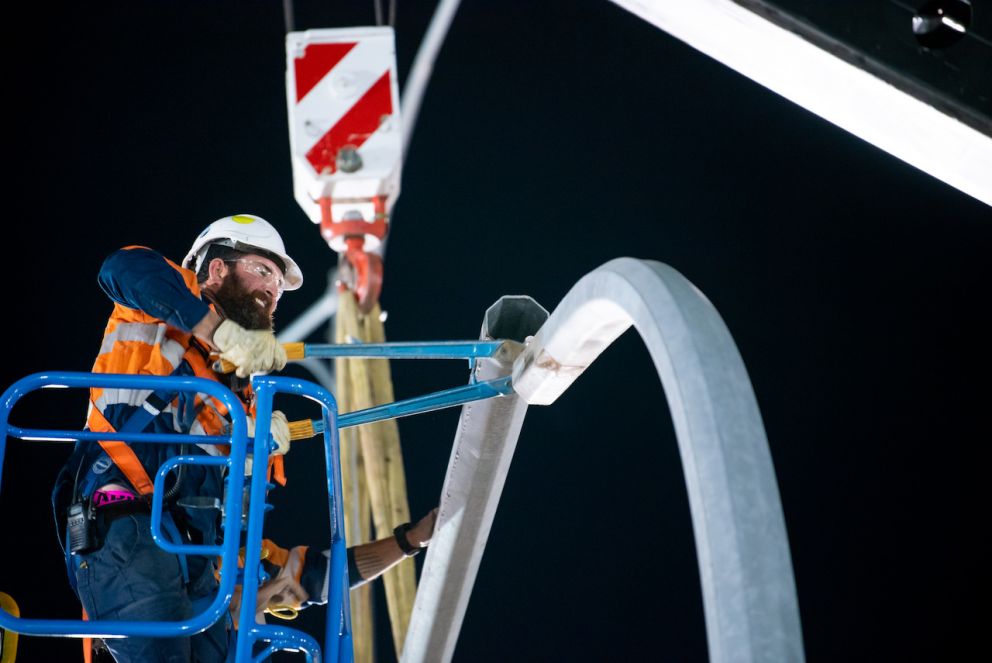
(263, 272)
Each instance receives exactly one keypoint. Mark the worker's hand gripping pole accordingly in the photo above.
(294, 352)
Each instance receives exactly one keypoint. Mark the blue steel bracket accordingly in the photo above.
(429, 402)
(405, 350)
(434, 401)
(473, 391)
(470, 350)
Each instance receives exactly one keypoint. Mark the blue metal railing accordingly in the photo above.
(337, 637)
(228, 551)
(338, 642)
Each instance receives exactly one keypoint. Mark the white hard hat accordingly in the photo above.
(244, 232)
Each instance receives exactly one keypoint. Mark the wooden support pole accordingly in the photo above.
(357, 520)
(400, 581)
(369, 384)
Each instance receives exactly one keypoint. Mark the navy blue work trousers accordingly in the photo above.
(130, 578)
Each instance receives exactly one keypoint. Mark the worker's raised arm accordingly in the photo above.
(140, 278)
(143, 279)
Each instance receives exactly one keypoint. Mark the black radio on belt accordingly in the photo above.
(82, 537)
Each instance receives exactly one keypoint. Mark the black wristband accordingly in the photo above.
(404, 543)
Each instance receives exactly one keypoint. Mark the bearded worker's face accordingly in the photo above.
(250, 292)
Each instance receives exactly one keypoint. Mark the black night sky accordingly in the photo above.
(553, 137)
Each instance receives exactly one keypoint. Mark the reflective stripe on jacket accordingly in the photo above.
(138, 343)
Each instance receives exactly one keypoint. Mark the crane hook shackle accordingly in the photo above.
(360, 270)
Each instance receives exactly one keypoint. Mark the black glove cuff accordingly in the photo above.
(404, 543)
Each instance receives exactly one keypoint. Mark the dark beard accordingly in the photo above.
(237, 303)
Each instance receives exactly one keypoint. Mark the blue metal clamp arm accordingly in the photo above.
(142, 279)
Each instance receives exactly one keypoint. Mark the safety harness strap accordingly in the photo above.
(194, 357)
(120, 452)
(123, 455)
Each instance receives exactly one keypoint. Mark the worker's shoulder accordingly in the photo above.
(138, 254)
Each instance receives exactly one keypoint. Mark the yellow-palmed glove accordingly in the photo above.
(252, 351)
(280, 434)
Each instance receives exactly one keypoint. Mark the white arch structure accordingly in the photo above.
(749, 594)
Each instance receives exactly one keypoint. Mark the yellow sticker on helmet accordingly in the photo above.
(243, 218)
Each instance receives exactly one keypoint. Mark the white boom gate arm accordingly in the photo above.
(749, 593)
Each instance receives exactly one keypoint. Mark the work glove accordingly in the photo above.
(281, 596)
(279, 431)
(252, 351)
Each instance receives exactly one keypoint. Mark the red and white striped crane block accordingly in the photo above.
(344, 126)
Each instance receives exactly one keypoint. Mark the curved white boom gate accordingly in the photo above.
(749, 594)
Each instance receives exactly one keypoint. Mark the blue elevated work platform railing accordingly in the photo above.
(337, 644)
(239, 528)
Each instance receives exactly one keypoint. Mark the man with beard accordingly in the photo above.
(170, 320)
